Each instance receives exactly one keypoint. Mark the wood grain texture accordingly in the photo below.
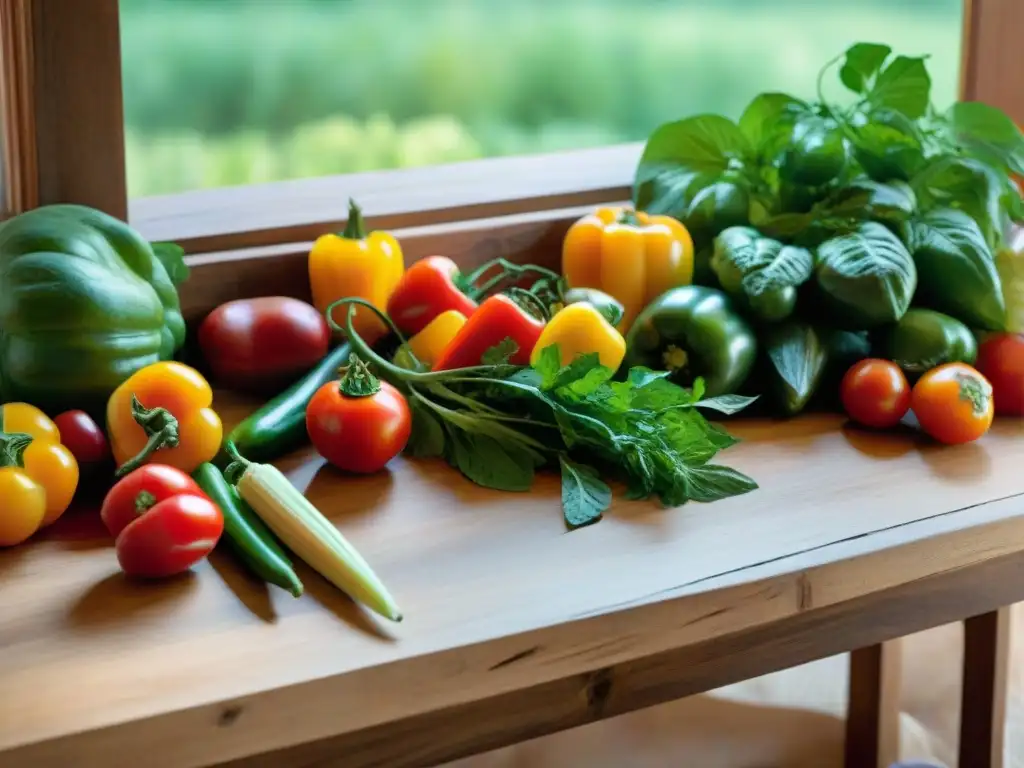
(283, 270)
(993, 59)
(986, 677)
(872, 714)
(78, 104)
(292, 211)
(18, 123)
(852, 539)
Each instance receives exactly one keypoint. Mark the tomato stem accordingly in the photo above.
(357, 380)
(144, 502)
(12, 448)
(355, 227)
(161, 428)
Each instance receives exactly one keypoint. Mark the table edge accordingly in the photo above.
(771, 593)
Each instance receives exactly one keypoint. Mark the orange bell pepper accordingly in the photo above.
(38, 475)
(630, 255)
(356, 264)
(163, 413)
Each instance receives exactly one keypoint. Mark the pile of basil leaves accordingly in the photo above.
(862, 208)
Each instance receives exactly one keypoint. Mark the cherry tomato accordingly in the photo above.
(1001, 361)
(170, 536)
(83, 437)
(160, 481)
(953, 403)
(259, 345)
(358, 433)
(875, 393)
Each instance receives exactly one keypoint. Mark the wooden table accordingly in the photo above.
(515, 628)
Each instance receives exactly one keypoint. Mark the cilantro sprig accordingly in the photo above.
(498, 423)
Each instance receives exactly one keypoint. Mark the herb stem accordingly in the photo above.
(465, 421)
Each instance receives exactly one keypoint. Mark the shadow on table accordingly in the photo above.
(251, 591)
(117, 599)
(969, 462)
(342, 606)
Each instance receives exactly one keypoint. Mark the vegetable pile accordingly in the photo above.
(868, 225)
(836, 253)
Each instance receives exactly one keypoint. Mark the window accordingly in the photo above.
(220, 93)
(17, 124)
(681, 57)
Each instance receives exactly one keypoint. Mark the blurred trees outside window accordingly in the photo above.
(228, 92)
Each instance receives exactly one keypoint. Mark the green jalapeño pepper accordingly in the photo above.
(694, 331)
(85, 302)
(924, 339)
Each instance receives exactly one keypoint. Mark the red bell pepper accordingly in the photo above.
(162, 521)
(496, 319)
(428, 288)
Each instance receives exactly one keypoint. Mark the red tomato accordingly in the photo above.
(953, 403)
(160, 481)
(1001, 361)
(358, 434)
(875, 393)
(170, 537)
(263, 344)
(83, 437)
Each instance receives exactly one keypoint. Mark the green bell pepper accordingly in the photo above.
(816, 153)
(694, 331)
(924, 339)
(85, 302)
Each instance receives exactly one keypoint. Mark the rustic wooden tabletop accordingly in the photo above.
(513, 627)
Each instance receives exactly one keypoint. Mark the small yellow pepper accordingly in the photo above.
(579, 329)
(162, 414)
(356, 264)
(429, 343)
(630, 255)
(38, 475)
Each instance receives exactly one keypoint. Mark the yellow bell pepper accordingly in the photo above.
(356, 264)
(162, 413)
(38, 475)
(630, 255)
(579, 329)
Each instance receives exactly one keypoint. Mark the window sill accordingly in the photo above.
(294, 211)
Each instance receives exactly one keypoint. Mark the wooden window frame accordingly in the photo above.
(67, 68)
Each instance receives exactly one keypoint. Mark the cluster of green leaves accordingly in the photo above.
(499, 423)
(896, 203)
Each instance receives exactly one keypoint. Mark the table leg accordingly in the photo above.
(872, 716)
(983, 702)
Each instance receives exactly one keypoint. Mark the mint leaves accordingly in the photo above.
(498, 423)
(585, 496)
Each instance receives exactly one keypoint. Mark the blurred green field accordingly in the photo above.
(226, 92)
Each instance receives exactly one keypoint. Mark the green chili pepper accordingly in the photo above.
(694, 331)
(280, 425)
(246, 534)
